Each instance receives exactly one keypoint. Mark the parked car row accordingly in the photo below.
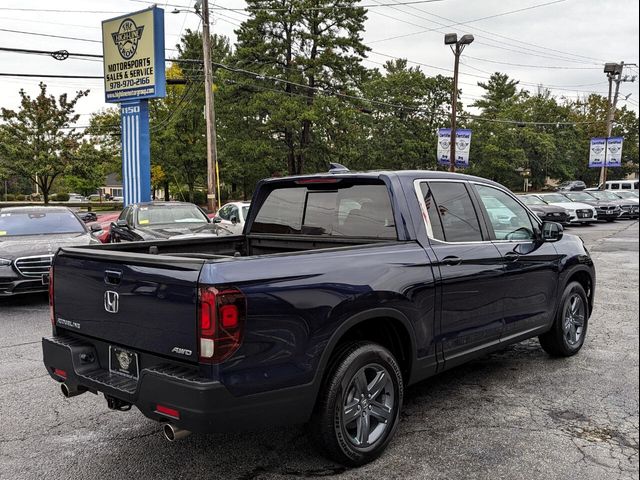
(30, 236)
(575, 207)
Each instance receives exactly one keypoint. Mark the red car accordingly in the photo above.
(105, 223)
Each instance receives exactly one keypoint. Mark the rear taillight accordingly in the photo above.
(221, 323)
(52, 314)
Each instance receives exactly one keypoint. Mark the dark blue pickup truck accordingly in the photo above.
(343, 289)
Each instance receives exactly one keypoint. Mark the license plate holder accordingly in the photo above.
(123, 362)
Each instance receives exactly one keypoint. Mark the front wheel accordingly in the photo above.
(359, 405)
(569, 329)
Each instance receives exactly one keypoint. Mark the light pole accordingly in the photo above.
(457, 46)
(210, 114)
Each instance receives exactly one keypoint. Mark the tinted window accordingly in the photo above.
(626, 186)
(615, 186)
(38, 223)
(451, 213)
(509, 219)
(354, 211)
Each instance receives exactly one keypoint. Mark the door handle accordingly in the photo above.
(112, 277)
(452, 261)
(511, 256)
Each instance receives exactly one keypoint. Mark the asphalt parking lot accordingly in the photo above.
(513, 414)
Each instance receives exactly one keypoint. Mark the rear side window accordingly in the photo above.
(626, 186)
(350, 211)
(451, 213)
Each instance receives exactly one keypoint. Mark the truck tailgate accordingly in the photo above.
(144, 302)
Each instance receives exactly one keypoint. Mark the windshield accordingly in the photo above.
(555, 198)
(527, 200)
(163, 214)
(606, 196)
(580, 197)
(39, 223)
(628, 195)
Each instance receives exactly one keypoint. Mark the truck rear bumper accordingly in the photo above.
(203, 405)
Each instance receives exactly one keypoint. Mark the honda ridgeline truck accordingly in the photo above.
(343, 289)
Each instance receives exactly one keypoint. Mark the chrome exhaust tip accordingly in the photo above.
(69, 391)
(173, 434)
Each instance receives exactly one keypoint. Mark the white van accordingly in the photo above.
(621, 185)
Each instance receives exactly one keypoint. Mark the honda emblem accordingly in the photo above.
(111, 301)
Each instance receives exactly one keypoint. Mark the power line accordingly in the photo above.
(510, 12)
(559, 67)
(332, 7)
(540, 47)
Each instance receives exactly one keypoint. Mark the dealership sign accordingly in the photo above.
(133, 47)
(605, 152)
(463, 144)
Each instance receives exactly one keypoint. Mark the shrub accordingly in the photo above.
(62, 197)
(20, 197)
(10, 197)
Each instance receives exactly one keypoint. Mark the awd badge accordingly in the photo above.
(127, 38)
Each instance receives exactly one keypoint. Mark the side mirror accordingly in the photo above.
(122, 224)
(234, 219)
(552, 231)
(95, 227)
(216, 220)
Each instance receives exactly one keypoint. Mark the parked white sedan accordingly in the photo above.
(233, 216)
(579, 212)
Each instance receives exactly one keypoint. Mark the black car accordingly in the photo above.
(546, 212)
(571, 186)
(29, 237)
(162, 220)
(606, 209)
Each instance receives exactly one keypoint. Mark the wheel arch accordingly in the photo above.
(584, 277)
(390, 327)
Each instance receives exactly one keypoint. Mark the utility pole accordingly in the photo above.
(614, 74)
(212, 149)
(457, 46)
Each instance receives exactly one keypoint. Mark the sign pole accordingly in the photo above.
(136, 151)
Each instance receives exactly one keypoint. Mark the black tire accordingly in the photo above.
(569, 330)
(334, 434)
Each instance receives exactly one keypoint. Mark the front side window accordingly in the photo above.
(225, 212)
(332, 210)
(452, 216)
(509, 219)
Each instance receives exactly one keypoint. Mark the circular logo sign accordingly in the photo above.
(127, 38)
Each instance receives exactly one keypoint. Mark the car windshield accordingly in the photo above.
(245, 211)
(527, 200)
(605, 196)
(556, 198)
(628, 195)
(580, 197)
(163, 214)
(39, 222)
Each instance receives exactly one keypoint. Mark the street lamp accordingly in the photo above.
(457, 46)
(201, 9)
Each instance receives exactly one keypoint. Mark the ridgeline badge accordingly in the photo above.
(127, 37)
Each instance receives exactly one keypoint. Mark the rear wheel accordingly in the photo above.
(569, 329)
(359, 405)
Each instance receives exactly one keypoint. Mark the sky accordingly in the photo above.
(560, 44)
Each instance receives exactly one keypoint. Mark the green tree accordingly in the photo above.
(307, 47)
(38, 140)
